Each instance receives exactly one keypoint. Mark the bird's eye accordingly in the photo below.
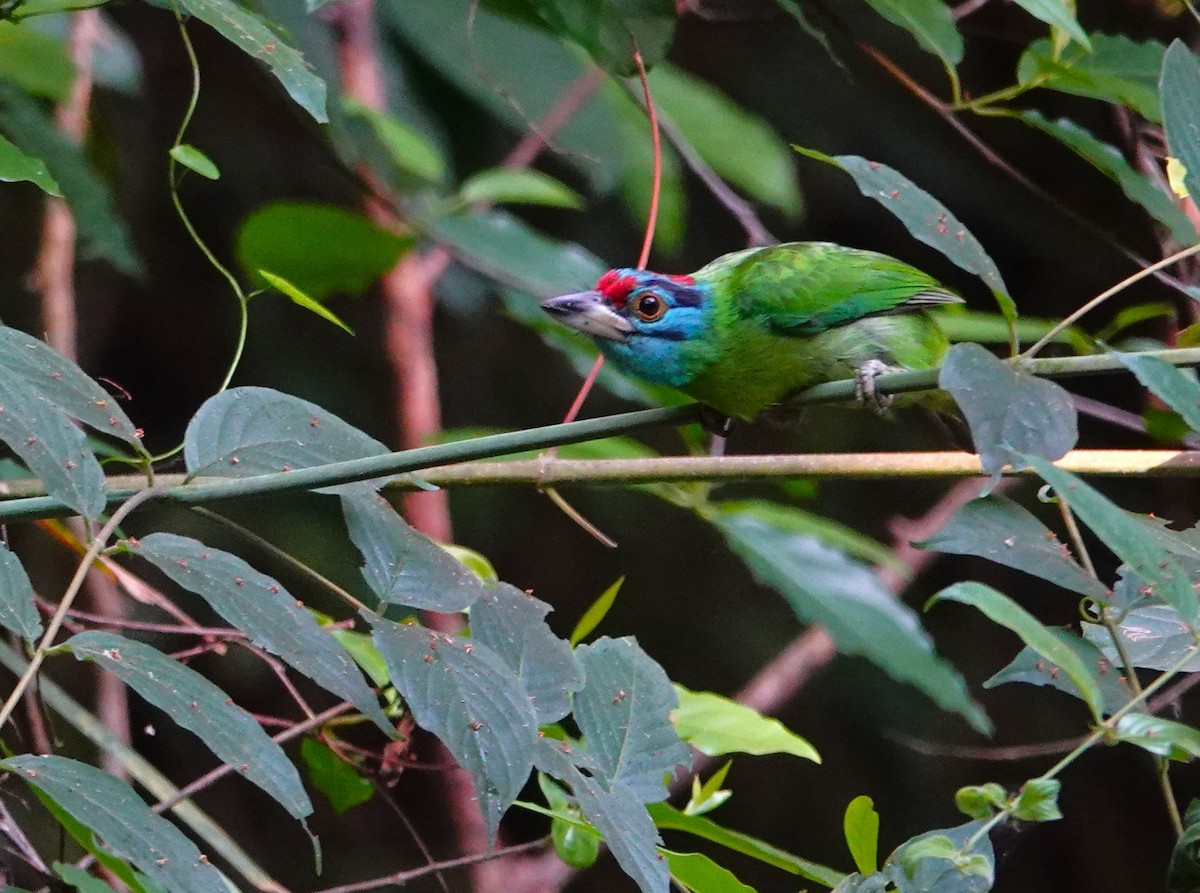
(649, 307)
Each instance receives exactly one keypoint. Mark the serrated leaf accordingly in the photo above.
(1010, 412)
(1178, 388)
(1179, 88)
(403, 566)
(596, 612)
(465, 694)
(320, 249)
(518, 186)
(202, 708)
(615, 810)
(936, 862)
(102, 234)
(1109, 161)
(861, 827)
(930, 22)
(258, 38)
(18, 612)
(1030, 666)
(409, 150)
(1154, 637)
(243, 432)
(16, 167)
(826, 588)
(742, 147)
(716, 725)
(1000, 609)
(926, 219)
(300, 299)
(1058, 14)
(1037, 801)
(1163, 737)
(513, 624)
(670, 819)
(260, 607)
(1116, 69)
(121, 820)
(700, 874)
(334, 777)
(35, 62)
(195, 160)
(1129, 540)
(1002, 531)
(623, 711)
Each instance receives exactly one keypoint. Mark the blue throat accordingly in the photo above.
(670, 352)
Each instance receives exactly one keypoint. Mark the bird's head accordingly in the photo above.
(649, 323)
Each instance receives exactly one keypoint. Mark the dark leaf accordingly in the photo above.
(1184, 873)
(1177, 388)
(464, 693)
(1154, 636)
(1032, 667)
(1159, 736)
(930, 22)
(18, 612)
(1116, 69)
(1180, 90)
(609, 29)
(936, 862)
(260, 607)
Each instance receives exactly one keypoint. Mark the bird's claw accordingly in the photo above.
(865, 390)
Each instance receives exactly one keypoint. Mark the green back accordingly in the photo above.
(803, 288)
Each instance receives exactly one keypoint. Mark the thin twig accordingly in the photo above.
(401, 878)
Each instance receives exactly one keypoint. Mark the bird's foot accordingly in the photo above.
(715, 422)
(864, 385)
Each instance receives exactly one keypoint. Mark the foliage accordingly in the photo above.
(428, 642)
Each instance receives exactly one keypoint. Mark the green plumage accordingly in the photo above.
(756, 326)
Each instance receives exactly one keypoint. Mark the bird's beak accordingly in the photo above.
(589, 312)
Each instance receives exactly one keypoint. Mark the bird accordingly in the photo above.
(752, 328)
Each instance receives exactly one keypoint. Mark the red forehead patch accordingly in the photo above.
(616, 288)
(683, 280)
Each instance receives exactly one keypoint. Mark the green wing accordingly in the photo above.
(802, 288)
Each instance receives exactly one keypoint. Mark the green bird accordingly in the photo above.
(754, 327)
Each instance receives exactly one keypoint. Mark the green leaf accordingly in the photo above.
(77, 878)
(16, 166)
(937, 862)
(1117, 69)
(1159, 736)
(1129, 540)
(18, 612)
(828, 531)
(861, 827)
(365, 654)
(740, 146)
(930, 22)
(1032, 667)
(334, 777)
(670, 819)
(623, 711)
(101, 233)
(1010, 412)
(1178, 388)
(202, 708)
(1180, 91)
(300, 299)
(715, 725)
(465, 694)
(981, 801)
(195, 160)
(1002, 531)
(403, 566)
(1153, 635)
(124, 823)
(85, 837)
(1184, 873)
(609, 29)
(1037, 801)
(244, 432)
(35, 62)
(1109, 161)
(513, 624)
(258, 38)
(260, 607)
(700, 874)
(518, 186)
(826, 588)
(926, 219)
(596, 612)
(1002, 610)
(407, 147)
(319, 249)
(1058, 14)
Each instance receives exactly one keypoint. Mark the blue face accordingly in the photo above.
(670, 316)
